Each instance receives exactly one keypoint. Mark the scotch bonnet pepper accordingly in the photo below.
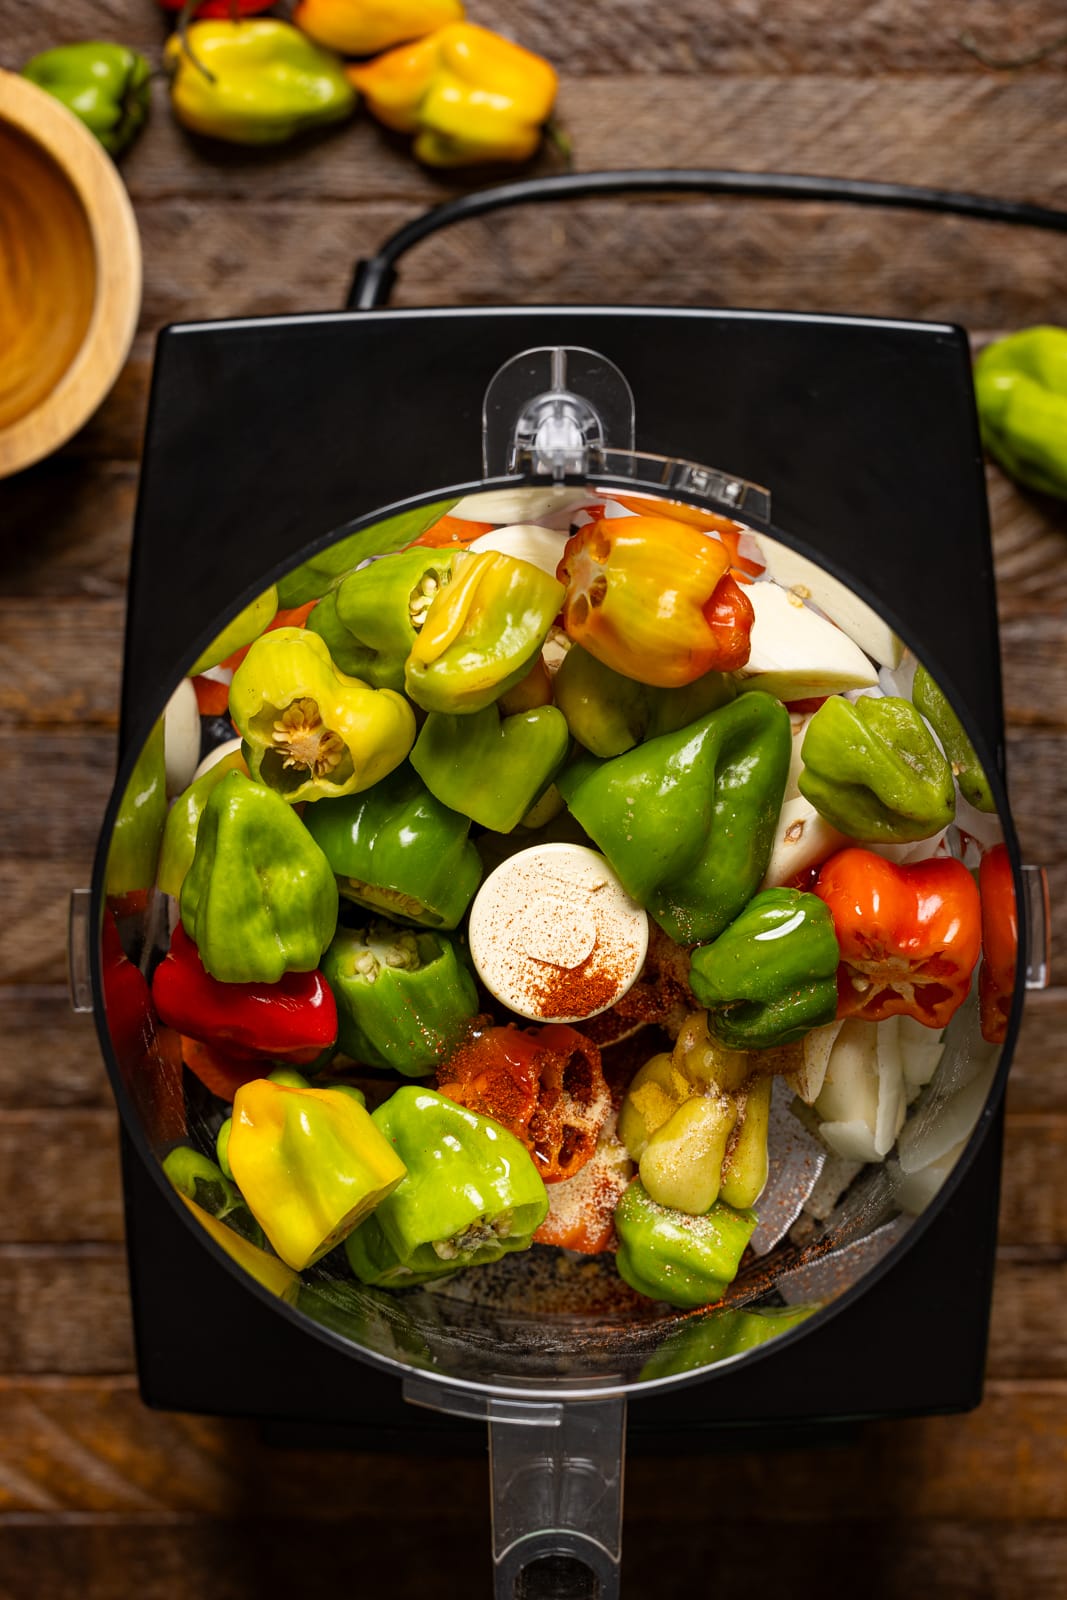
(259, 899)
(309, 730)
(397, 849)
(403, 995)
(294, 1019)
(687, 820)
(684, 1260)
(471, 1195)
(771, 976)
(183, 819)
(366, 27)
(652, 598)
(468, 95)
(256, 81)
(207, 1186)
(310, 1163)
(608, 713)
(489, 767)
(874, 771)
(1020, 384)
(371, 620)
(482, 633)
(105, 85)
(909, 936)
(1000, 943)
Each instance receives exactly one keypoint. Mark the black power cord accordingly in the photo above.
(376, 276)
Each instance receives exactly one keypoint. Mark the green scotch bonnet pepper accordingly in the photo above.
(874, 771)
(683, 1260)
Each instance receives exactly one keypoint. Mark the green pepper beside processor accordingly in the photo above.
(1020, 385)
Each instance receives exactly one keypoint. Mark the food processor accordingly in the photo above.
(276, 443)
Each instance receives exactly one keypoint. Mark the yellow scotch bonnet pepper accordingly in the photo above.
(468, 95)
(255, 81)
(366, 27)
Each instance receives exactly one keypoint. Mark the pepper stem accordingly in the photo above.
(185, 16)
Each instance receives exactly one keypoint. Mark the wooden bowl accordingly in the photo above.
(70, 274)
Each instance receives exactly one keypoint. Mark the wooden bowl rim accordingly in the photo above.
(117, 248)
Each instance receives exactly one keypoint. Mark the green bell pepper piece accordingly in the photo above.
(687, 820)
(929, 699)
(608, 714)
(245, 626)
(719, 1336)
(376, 612)
(321, 572)
(490, 767)
(771, 976)
(397, 849)
(309, 731)
(260, 898)
(183, 820)
(105, 85)
(482, 633)
(213, 1190)
(139, 821)
(873, 770)
(403, 996)
(669, 1255)
(472, 1194)
(1020, 384)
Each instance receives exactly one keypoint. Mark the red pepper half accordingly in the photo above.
(544, 1085)
(148, 1060)
(292, 1020)
(1000, 943)
(909, 936)
(652, 598)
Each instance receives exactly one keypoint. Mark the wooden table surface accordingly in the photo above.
(101, 1499)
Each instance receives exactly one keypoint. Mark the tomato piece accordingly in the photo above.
(909, 936)
(212, 697)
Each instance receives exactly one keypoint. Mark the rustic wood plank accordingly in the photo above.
(112, 1560)
(65, 1309)
(35, 896)
(59, 663)
(57, 815)
(1038, 1079)
(67, 526)
(91, 1450)
(64, 1176)
(631, 37)
(48, 1056)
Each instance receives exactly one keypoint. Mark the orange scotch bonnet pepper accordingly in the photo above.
(653, 599)
(1000, 944)
(909, 936)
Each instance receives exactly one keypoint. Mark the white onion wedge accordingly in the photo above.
(539, 547)
(802, 839)
(181, 737)
(518, 505)
(851, 614)
(798, 655)
(807, 1080)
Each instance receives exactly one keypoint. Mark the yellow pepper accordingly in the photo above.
(467, 95)
(310, 1164)
(366, 27)
(257, 81)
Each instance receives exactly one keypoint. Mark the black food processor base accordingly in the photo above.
(264, 436)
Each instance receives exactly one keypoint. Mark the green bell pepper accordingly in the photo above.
(771, 976)
(608, 714)
(966, 768)
(1020, 384)
(482, 632)
(403, 996)
(668, 1255)
(397, 849)
(375, 614)
(310, 731)
(322, 572)
(202, 1182)
(183, 820)
(472, 1194)
(874, 771)
(259, 898)
(687, 820)
(105, 85)
(138, 831)
(490, 767)
(310, 1163)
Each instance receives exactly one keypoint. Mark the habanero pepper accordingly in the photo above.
(608, 713)
(488, 767)
(874, 771)
(367, 27)
(1020, 384)
(105, 85)
(293, 1020)
(1000, 943)
(966, 768)
(652, 598)
(545, 1085)
(909, 936)
(371, 620)
(687, 1261)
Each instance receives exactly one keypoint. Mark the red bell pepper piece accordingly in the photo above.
(545, 1085)
(220, 1071)
(292, 1020)
(451, 531)
(1000, 943)
(150, 1066)
(909, 936)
